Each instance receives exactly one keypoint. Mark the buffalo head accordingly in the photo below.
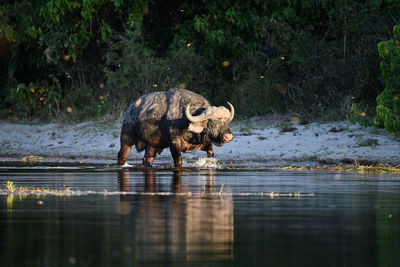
(213, 122)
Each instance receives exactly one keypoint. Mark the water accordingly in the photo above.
(200, 217)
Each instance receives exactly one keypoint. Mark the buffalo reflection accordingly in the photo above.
(168, 227)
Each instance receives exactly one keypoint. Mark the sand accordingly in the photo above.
(257, 142)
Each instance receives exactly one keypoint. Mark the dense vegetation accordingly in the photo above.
(388, 108)
(91, 58)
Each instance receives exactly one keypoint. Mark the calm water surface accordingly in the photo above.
(340, 219)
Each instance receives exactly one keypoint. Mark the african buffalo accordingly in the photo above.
(178, 119)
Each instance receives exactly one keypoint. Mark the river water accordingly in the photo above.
(200, 217)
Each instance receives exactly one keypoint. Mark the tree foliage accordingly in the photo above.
(388, 108)
(304, 56)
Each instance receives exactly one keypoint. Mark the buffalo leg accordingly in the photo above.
(126, 146)
(176, 155)
(210, 151)
(149, 156)
(123, 153)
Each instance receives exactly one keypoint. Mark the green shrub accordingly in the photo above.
(133, 69)
(388, 108)
(34, 99)
(360, 116)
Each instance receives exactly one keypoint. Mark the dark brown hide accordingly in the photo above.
(179, 119)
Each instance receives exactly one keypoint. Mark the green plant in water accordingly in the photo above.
(10, 187)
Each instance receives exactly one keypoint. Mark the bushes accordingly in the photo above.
(41, 100)
(62, 40)
(388, 108)
(315, 56)
(132, 69)
(307, 57)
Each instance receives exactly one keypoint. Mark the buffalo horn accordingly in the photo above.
(199, 118)
(208, 113)
(232, 111)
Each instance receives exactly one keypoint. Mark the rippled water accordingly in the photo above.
(200, 217)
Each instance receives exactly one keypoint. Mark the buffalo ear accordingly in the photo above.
(196, 127)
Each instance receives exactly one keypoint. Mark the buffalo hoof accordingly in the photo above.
(148, 162)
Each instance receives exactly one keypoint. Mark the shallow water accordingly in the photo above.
(200, 217)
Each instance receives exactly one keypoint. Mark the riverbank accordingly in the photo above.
(258, 142)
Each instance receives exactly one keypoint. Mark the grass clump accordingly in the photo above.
(368, 142)
(378, 168)
(10, 187)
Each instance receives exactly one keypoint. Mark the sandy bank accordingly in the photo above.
(257, 142)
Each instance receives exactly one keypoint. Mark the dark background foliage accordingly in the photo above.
(92, 58)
